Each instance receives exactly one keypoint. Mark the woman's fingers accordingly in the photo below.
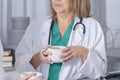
(45, 59)
(68, 58)
(69, 52)
(66, 49)
(45, 53)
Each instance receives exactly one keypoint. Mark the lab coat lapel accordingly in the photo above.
(45, 39)
(45, 32)
(76, 20)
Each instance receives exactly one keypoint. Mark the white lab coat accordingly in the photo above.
(36, 37)
(1, 69)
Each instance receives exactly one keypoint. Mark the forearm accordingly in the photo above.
(35, 61)
(40, 57)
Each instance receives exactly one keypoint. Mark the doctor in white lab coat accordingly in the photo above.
(1, 69)
(85, 55)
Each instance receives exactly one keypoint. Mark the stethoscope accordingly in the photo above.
(78, 23)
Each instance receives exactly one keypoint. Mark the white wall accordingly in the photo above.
(112, 13)
(3, 21)
(31, 8)
(38, 8)
(113, 20)
(0, 18)
(108, 14)
(98, 10)
(18, 7)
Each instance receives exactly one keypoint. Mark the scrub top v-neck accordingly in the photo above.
(58, 40)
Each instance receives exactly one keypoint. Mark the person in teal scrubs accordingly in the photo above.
(84, 55)
(62, 27)
(63, 15)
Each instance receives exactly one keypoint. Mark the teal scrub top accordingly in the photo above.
(58, 40)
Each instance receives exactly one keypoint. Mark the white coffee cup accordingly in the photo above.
(56, 53)
(37, 76)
